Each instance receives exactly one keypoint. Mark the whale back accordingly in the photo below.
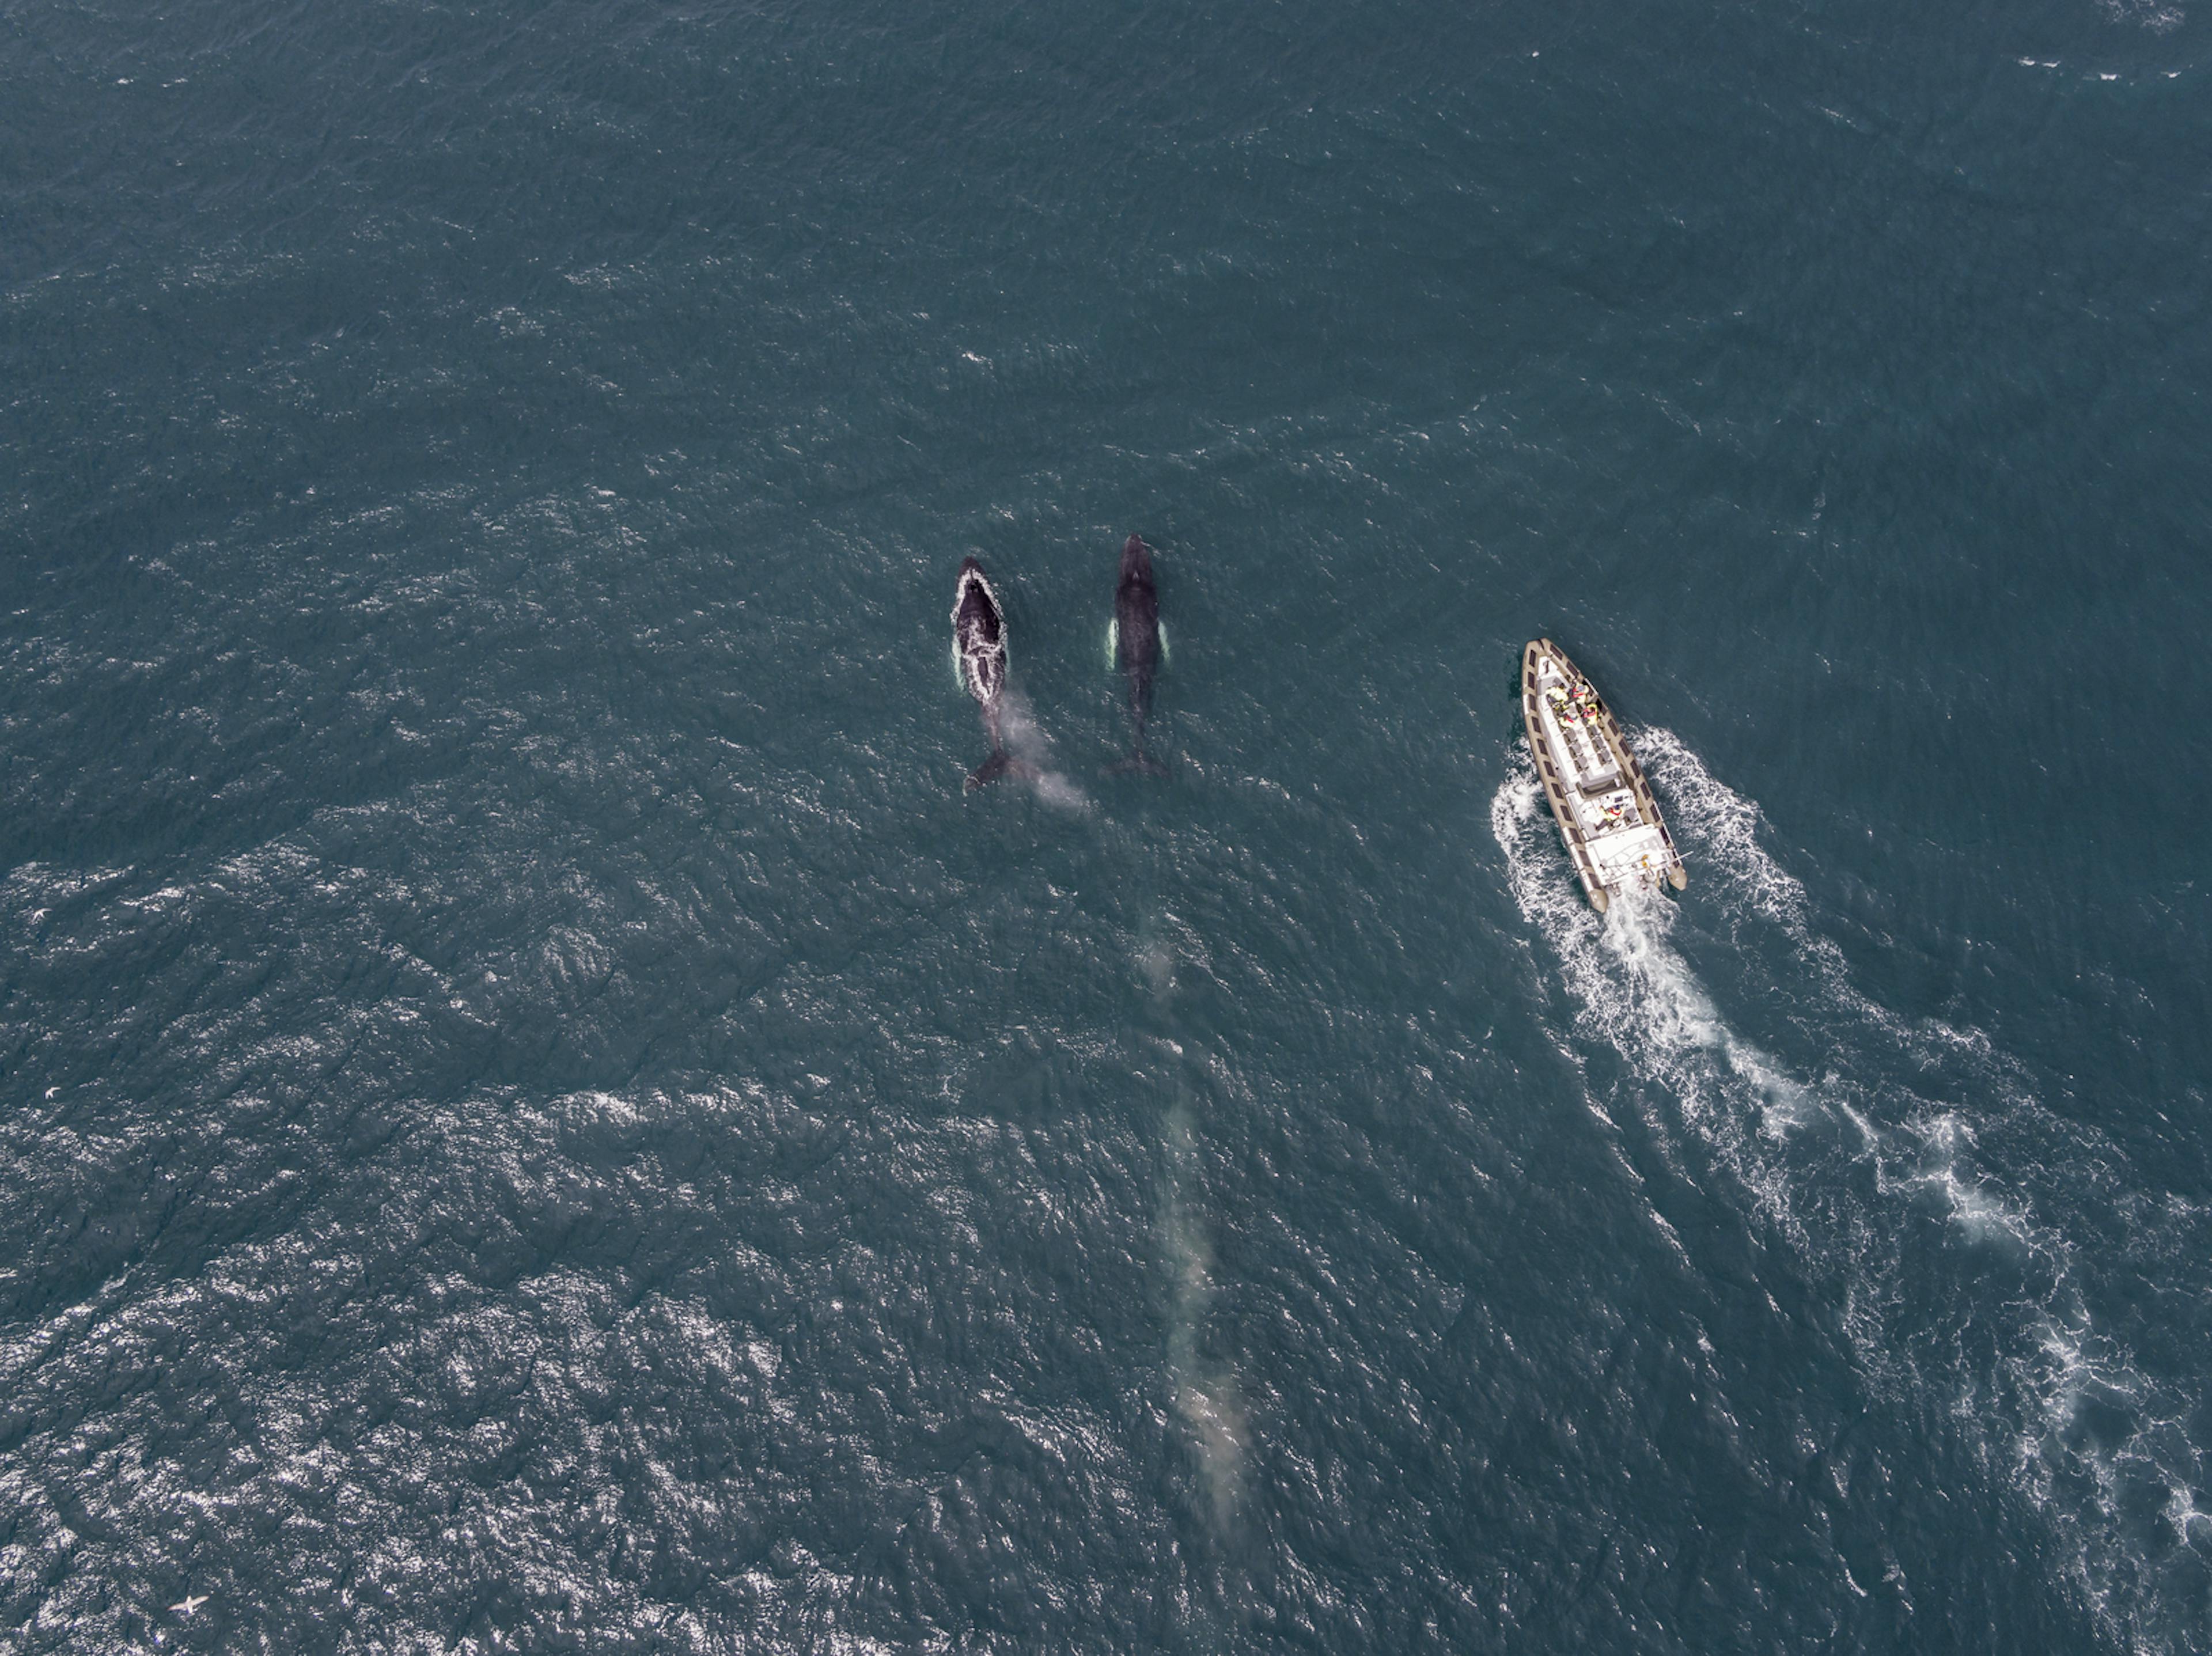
(979, 634)
(1136, 610)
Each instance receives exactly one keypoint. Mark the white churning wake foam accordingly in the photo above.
(1884, 1120)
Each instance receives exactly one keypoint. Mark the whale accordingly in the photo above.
(979, 656)
(1137, 644)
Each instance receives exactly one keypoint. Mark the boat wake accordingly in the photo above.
(1910, 1169)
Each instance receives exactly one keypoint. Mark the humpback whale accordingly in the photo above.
(979, 653)
(1136, 642)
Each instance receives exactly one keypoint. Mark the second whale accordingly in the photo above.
(1137, 645)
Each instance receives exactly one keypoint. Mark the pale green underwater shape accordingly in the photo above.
(1113, 643)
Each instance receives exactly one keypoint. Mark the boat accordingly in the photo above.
(1606, 813)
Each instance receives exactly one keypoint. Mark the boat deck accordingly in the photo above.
(1596, 790)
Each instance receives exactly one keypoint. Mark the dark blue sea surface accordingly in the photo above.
(536, 1113)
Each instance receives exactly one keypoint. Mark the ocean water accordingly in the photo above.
(536, 1114)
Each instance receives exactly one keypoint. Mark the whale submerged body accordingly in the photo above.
(979, 652)
(1137, 644)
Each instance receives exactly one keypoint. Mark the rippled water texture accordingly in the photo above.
(538, 1113)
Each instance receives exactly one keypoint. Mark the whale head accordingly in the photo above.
(1136, 558)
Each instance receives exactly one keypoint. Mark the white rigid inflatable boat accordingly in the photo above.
(1597, 792)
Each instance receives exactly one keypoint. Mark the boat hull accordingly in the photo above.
(1600, 798)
